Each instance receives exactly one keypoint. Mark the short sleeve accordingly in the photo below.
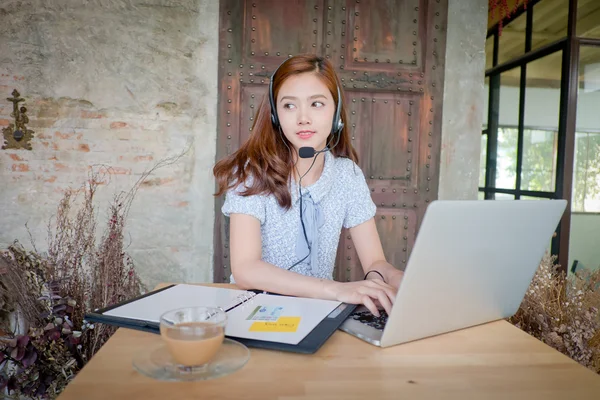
(235, 203)
(360, 205)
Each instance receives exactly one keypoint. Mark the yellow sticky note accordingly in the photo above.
(283, 324)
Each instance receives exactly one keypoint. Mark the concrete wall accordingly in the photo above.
(463, 99)
(123, 83)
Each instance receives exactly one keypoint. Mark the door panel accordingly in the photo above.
(383, 32)
(389, 56)
(385, 156)
(280, 28)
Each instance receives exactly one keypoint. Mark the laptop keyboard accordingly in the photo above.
(367, 318)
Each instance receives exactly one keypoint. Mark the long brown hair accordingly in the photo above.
(264, 156)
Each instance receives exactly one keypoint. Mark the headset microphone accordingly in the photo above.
(309, 152)
(306, 152)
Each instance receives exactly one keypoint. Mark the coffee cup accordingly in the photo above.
(193, 335)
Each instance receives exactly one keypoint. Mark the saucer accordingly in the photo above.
(157, 363)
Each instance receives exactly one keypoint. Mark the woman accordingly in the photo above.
(292, 187)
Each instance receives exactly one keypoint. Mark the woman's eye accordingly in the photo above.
(288, 106)
(318, 104)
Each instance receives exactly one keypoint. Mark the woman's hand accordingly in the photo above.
(369, 292)
(395, 278)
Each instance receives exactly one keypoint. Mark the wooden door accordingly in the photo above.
(389, 55)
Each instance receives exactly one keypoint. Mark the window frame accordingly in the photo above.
(570, 47)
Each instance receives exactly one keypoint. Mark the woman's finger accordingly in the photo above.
(380, 285)
(385, 301)
(380, 295)
(367, 302)
(389, 290)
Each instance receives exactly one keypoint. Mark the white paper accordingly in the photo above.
(310, 311)
(150, 308)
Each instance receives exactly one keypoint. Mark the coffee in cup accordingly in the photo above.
(193, 335)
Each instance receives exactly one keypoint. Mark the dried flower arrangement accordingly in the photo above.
(44, 339)
(562, 311)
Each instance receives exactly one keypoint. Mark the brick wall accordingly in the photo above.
(121, 84)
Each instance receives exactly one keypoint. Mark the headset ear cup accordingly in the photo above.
(338, 124)
(274, 118)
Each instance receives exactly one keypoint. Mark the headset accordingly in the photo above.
(307, 152)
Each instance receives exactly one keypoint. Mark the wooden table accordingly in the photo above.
(491, 361)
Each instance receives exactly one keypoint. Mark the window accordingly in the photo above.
(539, 160)
(538, 172)
(586, 166)
(534, 122)
(586, 174)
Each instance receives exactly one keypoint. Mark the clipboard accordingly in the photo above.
(309, 322)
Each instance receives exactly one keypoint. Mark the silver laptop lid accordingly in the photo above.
(471, 263)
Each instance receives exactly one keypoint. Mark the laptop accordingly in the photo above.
(471, 263)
